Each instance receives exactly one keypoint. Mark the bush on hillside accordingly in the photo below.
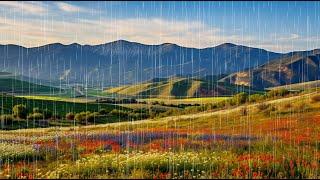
(262, 106)
(70, 116)
(243, 111)
(20, 111)
(103, 111)
(87, 116)
(278, 93)
(239, 98)
(36, 110)
(6, 118)
(35, 116)
(47, 113)
(256, 97)
(119, 113)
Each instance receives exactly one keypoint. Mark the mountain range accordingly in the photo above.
(295, 67)
(122, 62)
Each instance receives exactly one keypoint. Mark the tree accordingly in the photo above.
(20, 111)
(240, 98)
(35, 116)
(47, 113)
(70, 116)
(103, 111)
(36, 110)
(6, 119)
(256, 97)
(278, 93)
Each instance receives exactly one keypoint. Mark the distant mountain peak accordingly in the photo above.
(168, 44)
(227, 45)
(75, 44)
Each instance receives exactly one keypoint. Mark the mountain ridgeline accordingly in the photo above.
(295, 67)
(123, 62)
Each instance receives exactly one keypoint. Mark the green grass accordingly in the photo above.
(56, 98)
(12, 85)
(146, 106)
(58, 107)
(203, 100)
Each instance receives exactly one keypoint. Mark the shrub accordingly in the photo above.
(83, 117)
(239, 98)
(278, 93)
(90, 117)
(36, 110)
(20, 111)
(47, 113)
(256, 97)
(55, 116)
(262, 106)
(301, 107)
(35, 116)
(6, 118)
(243, 111)
(315, 98)
(70, 116)
(270, 108)
(120, 113)
(222, 104)
(155, 103)
(103, 111)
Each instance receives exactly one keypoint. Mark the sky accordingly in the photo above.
(274, 26)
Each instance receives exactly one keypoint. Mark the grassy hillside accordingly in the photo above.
(12, 84)
(299, 86)
(178, 88)
(292, 68)
(203, 100)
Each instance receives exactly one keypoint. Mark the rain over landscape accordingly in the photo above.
(159, 90)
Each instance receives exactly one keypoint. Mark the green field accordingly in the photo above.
(203, 100)
(179, 88)
(57, 98)
(54, 105)
(17, 86)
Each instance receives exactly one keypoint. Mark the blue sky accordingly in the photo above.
(276, 26)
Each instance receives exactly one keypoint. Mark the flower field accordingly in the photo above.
(231, 145)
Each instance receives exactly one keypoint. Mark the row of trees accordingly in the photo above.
(20, 111)
(238, 99)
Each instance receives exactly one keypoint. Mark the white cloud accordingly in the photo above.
(287, 37)
(34, 32)
(26, 7)
(69, 8)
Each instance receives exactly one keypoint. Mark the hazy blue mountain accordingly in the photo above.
(122, 62)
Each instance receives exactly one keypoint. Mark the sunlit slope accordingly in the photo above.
(299, 86)
(177, 88)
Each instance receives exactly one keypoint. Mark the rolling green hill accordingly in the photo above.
(10, 83)
(178, 87)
